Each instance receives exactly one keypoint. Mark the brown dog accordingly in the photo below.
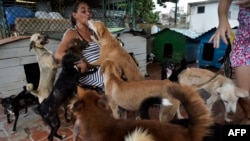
(111, 48)
(218, 86)
(129, 95)
(95, 123)
(75, 47)
(47, 64)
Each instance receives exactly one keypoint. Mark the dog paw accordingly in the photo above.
(12, 132)
(137, 118)
(29, 87)
(25, 115)
(63, 136)
(180, 117)
(228, 120)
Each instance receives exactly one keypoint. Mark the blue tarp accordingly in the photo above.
(14, 12)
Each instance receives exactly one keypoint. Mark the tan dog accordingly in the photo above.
(94, 122)
(111, 48)
(129, 95)
(47, 65)
(218, 86)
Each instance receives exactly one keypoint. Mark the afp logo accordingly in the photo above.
(237, 132)
(240, 132)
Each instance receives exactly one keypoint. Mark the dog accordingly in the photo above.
(216, 129)
(63, 90)
(171, 70)
(218, 86)
(111, 48)
(96, 123)
(47, 65)
(15, 103)
(75, 47)
(129, 95)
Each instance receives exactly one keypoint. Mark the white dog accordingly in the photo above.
(218, 86)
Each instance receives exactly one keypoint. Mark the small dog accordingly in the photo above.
(63, 90)
(171, 70)
(14, 104)
(94, 121)
(111, 48)
(47, 64)
(129, 95)
(218, 86)
(75, 47)
(167, 69)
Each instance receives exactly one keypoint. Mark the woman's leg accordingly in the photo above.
(242, 74)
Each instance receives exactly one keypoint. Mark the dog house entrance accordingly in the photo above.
(168, 50)
(208, 52)
(32, 73)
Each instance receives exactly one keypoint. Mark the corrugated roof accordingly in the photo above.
(186, 32)
(203, 2)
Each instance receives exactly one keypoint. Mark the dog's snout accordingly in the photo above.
(231, 112)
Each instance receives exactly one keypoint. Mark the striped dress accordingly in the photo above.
(91, 54)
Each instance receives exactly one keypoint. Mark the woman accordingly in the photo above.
(240, 55)
(80, 16)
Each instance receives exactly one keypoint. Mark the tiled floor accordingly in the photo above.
(32, 128)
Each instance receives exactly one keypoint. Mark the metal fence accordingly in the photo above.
(25, 17)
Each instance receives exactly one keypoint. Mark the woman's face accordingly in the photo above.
(83, 14)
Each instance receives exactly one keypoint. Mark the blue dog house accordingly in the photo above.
(208, 55)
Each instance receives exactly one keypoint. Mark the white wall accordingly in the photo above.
(209, 19)
(137, 45)
(13, 56)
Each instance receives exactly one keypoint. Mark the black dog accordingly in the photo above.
(14, 103)
(171, 70)
(63, 90)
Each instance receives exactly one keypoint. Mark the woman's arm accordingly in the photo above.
(63, 47)
(243, 3)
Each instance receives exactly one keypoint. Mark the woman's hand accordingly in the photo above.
(82, 66)
(222, 32)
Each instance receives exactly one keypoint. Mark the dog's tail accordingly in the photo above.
(139, 135)
(198, 113)
(30, 89)
(149, 102)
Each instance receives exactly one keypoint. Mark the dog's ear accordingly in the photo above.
(103, 66)
(32, 44)
(103, 101)
(102, 31)
(218, 90)
(102, 69)
(118, 70)
(78, 106)
(240, 92)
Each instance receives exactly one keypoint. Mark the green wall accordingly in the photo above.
(167, 36)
